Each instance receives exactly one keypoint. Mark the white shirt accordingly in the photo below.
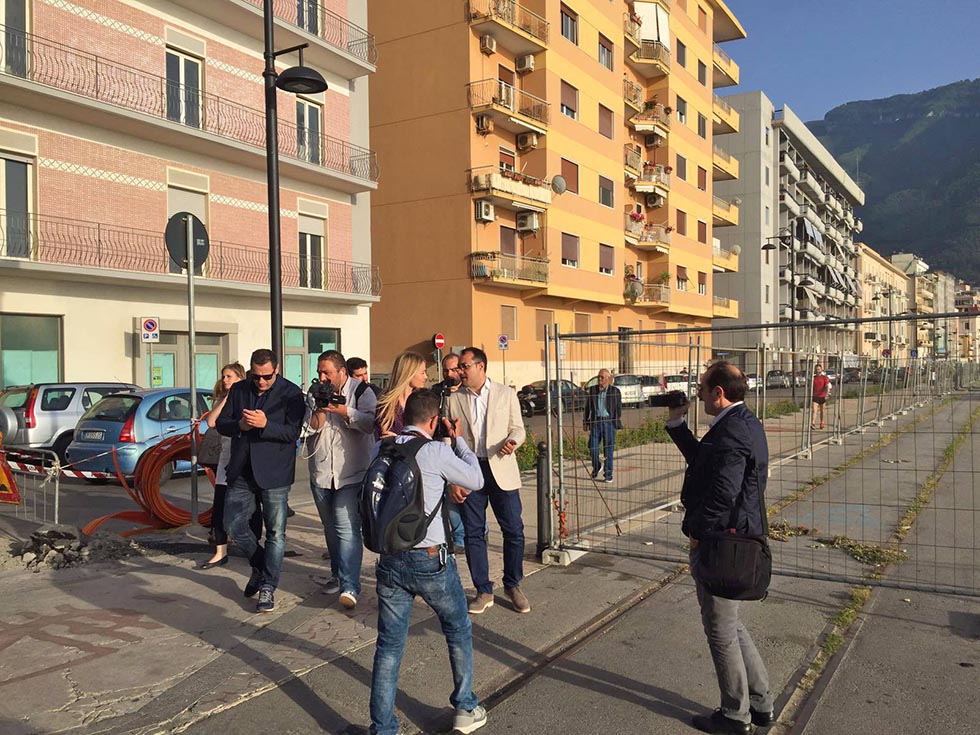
(674, 423)
(340, 450)
(479, 405)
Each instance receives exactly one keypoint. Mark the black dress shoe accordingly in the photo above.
(762, 719)
(716, 722)
(220, 563)
(254, 582)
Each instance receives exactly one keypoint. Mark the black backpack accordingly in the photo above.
(392, 501)
(362, 386)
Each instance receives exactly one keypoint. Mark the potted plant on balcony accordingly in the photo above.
(664, 278)
(636, 216)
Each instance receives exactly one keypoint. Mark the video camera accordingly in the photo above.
(443, 390)
(671, 399)
(324, 394)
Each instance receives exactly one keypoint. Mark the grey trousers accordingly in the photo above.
(742, 676)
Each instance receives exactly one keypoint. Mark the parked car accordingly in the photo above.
(681, 383)
(801, 377)
(851, 375)
(650, 386)
(832, 376)
(133, 422)
(752, 381)
(630, 389)
(45, 414)
(777, 379)
(533, 398)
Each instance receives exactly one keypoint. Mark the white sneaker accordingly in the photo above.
(470, 721)
(331, 585)
(348, 600)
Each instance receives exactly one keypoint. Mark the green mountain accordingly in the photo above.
(917, 157)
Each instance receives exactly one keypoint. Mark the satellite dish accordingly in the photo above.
(559, 185)
(736, 249)
(633, 291)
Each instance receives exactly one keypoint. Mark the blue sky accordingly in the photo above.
(817, 54)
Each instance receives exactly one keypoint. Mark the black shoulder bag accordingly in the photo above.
(734, 565)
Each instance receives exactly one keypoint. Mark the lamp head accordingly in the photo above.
(301, 80)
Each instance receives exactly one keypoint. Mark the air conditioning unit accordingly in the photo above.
(488, 44)
(527, 221)
(524, 64)
(484, 124)
(505, 95)
(484, 210)
(527, 141)
(653, 140)
(655, 200)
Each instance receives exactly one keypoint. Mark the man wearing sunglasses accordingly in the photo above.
(263, 417)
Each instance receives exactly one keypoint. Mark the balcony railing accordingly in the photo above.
(722, 105)
(722, 253)
(655, 175)
(493, 265)
(633, 93)
(312, 17)
(653, 51)
(722, 302)
(495, 179)
(655, 293)
(79, 243)
(654, 113)
(67, 69)
(509, 12)
(631, 28)
(722, 155)
(724, 204)
(723, 57)
(495, 92)
(632, 157)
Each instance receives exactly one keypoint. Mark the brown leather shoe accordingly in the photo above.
(481, 603)
(518, 600)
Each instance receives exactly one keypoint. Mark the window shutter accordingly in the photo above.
(569, 247)
(702, 279)
(605, 121)
(681, 273)
(508, 240)
(607, 258)
(569, 96)
(569, 171)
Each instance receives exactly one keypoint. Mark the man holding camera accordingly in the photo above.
(427, 571)
(724, 488)
(603, 417)
(339, 447)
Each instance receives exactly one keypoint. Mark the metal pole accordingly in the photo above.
(544, 499)
(792, 307)
(193, 373)
(559, 430)
(272, 179)
(551, 459)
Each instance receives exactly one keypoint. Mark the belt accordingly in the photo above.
(430, 550)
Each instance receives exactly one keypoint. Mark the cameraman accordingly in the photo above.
(339, 447)
(427, 571)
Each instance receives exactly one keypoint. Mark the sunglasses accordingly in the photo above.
(256, 377)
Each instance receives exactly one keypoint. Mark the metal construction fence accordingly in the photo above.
(879, 488)
(37, 478)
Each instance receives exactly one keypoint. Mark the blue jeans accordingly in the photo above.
(507, 508)
(456, 524)
(402, 577)
(240, 504)
(341, 521)
(602, 431)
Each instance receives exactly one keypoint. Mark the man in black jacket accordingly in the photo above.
(263, 416)
(603, 414)
(724, 488)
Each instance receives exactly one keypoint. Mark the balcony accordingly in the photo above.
(511, 108)
(810, 212)
(651, 60)
(724, 213)
(808, 182)
(509, 271)
(726, 70)
(633, 95)
(724, 308)
(632, 160)
(724, 259)
(723, 166)
(787, 313)
(631, 30)
(652, 180)
(91, 89)
(788, 166)
(519, 30)
(726, 118)
(645, 236)
(510, 189)
(655, 296)
(654, 118)
(87, 249)
(789, 203)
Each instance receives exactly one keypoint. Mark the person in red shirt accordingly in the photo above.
(821, 390)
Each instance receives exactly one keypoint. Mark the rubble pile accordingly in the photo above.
(58, 546)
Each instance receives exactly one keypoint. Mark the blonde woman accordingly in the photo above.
(407, 376)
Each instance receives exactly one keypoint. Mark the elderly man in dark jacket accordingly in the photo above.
(603, 417)
(724, 488)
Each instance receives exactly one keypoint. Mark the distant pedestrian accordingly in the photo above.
(357, 368)
(408, 375)
(603, 417)
(263, 417)
(821, 392)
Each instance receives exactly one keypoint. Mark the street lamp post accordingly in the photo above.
(786, 236)
(297, 80)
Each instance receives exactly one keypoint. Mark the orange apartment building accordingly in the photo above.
(117, 114)
(537, 157)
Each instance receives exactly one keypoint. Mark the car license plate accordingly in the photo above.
(92, 435)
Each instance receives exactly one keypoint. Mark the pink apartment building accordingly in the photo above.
(115, 114)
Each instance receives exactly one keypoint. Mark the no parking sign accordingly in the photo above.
(149, 329)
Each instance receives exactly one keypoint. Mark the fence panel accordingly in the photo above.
(37, 477)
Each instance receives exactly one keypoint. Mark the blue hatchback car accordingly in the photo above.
(133, 422)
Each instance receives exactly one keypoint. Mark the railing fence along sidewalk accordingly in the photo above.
(880, 489)
(67, 69)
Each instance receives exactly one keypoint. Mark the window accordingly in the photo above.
(569, 100)
(767, 136)
(609, 324)
(607, 259)
(702, 126)
(583, 323)
(682, 110)
(681, 167)
(702, 178)
(681, 54)
(307, 16)
(302, 347)
(702, 283)
(569, 250)
(30, 349)
(56, 399)
(308, 130)
(183, 88)
(767, 293)
(569, 24)
(702, 19)
(681, 278)
(508, 240)
(681, 222)
(605, 52)
(543, 318)
(15, 177)
(767, 215)
(606, 196)
(311, 232)
(606, 122)
(702, 73)
(508, 322)
(702, 231)
(767, 176)
(569, 172)
(508, 160)
(13, 15)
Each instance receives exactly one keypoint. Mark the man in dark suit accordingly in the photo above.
(724, 488)
(603, 417)
(263, 417)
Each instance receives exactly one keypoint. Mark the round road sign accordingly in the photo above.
(438, 340)
(176, 238)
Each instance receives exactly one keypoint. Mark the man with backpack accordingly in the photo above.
(403, 504)
(357, 368)
(339, 443)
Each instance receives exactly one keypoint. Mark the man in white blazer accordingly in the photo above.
(489, 417)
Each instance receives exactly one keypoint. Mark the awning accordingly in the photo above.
(809, 229)
(810, 296)
(818, 238)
